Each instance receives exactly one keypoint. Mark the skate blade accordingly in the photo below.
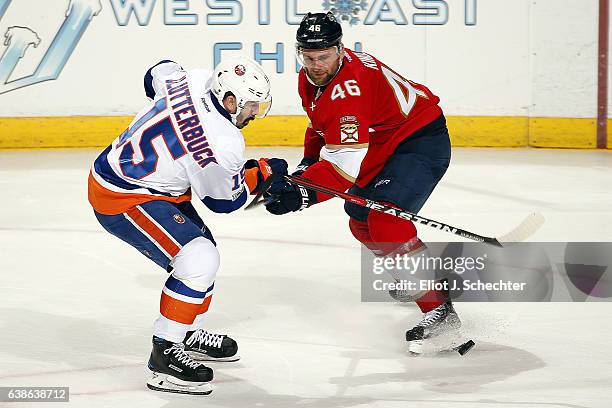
(168, 383)
(415, 347)
(205, 357)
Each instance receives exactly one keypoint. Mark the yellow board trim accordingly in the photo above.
(564, 132)
(473, 131)
(61, 131)
(488, 131)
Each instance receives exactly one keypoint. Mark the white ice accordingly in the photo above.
(77, 305)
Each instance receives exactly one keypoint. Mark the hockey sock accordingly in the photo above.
(360, 231)
(198, 322)
(179, 306)
(394, 236)
(432, 299)
(188, 290)
(389, 233)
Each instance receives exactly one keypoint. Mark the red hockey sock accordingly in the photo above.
(361, 233)
(432, 299)
(389, 232)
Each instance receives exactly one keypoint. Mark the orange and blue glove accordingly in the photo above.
(257, 172)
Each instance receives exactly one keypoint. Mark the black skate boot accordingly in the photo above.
(206, 346)
(440, 324)
(175, 371)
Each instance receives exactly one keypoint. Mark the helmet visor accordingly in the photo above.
(311, 58)
(257, 109)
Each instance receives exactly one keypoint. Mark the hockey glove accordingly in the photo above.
(258, 171)
(284, 198)
(304, 164)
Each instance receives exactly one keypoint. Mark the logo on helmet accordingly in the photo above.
(240, 70)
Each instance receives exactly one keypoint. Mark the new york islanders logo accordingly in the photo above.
(17, 39)
(240, 70)
(178, 218)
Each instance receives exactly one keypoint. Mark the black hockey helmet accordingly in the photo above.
(318, 30)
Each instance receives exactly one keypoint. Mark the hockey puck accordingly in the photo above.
(465, 347)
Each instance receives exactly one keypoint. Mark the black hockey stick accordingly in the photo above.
(525, 229)
(257, 201)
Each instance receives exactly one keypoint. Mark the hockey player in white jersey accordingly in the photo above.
(186, 140)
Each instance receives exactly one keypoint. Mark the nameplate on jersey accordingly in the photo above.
(189, 124)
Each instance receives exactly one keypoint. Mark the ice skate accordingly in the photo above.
(205, 346)
(175, 371)
(438, 331)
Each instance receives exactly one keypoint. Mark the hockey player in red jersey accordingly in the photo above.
(379, 135)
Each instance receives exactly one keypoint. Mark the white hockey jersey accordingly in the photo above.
(182, 141)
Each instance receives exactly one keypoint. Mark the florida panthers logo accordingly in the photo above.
(239, 70)
(348, 129)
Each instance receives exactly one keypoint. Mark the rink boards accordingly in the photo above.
(465, 131)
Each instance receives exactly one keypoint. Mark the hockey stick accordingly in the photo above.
(525, 229)
(257, 201)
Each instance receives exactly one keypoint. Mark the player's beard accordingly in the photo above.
(245, 122)
(324, 80)
(321, 80)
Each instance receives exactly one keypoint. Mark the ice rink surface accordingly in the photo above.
(77, 305)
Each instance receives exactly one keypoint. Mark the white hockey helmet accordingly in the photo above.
(247, 81)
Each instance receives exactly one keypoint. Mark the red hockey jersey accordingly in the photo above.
(362, 115)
